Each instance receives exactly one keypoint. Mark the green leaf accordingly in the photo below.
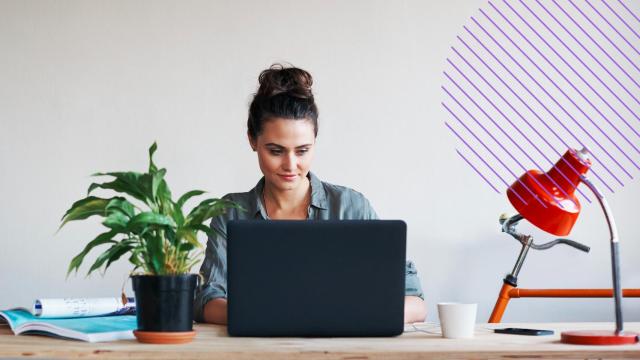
(116, 221)
(144, 221)
(177, 215)
(187, 267)
(85, 208)
(164, 198)
(135, 259)
(189, 235)
(170, 235)
(185, 247)
(152, 166)
(208, 209)
(112, 254)
(135, 184)
(104, 238)
(121, 204)
(157, 179)
(118, 252)
(206, 229)
(183, 199)
(155, 254)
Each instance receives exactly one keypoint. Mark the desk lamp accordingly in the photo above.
(547, 200)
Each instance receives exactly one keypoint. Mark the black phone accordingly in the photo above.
(520, 331)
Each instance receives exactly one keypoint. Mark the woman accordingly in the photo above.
(282, 128)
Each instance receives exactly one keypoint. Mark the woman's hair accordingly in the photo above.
(284, 92)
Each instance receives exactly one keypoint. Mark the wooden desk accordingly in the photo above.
(212, 342)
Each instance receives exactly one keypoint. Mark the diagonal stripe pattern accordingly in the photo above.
(528, 79)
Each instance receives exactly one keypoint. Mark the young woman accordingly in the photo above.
(282, 129)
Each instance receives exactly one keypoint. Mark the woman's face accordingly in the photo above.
(285, 151)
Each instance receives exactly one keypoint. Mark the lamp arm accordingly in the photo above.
(615, 256)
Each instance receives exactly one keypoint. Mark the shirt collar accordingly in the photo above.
(318, 196)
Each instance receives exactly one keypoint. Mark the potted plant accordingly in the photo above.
(146, 224)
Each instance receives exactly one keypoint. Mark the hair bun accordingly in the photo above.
(290, 80)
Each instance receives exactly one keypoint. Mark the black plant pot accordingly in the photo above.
(164, 307)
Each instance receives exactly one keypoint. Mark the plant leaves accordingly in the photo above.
(135, 259)
(152, 166)
(177, 215)
(185, 247)
(121, 204)
(121, 249)
(164, 198)
(161, 240)
(147, 220)
(155, 254)
(104, 238)
(206, 229)
(189, 235)
(157, 178)
(188, 265)
(188, 195)
(85, 208)
(170, 235)
(112, 254)
(208, 209)
(135, 184)
(116, 221)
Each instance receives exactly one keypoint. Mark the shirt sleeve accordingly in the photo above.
(412, 281)
(213, 270)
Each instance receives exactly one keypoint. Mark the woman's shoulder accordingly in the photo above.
(239, 197)
(243, 200)
(348, 202)
(342, 192)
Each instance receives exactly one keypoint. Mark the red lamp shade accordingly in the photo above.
(547, 200)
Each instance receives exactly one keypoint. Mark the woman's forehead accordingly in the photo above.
(288, 132)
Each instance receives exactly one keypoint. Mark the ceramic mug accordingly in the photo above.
(457, 320)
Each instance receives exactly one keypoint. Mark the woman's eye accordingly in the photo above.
(279, 152)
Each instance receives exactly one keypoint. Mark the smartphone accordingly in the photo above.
(520, 331)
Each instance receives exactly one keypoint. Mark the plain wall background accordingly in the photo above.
(87, 86)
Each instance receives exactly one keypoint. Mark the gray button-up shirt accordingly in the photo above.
(328, 202)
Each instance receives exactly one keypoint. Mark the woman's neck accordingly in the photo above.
(287, 201)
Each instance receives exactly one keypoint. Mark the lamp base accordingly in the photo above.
(598, 337)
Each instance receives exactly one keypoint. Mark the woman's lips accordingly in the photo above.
(288, 177)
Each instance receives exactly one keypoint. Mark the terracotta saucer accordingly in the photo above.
(156, 337)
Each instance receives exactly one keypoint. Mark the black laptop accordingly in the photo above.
(316, 278)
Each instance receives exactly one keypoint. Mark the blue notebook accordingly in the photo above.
(91, 329)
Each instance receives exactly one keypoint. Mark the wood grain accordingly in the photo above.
(212, 342)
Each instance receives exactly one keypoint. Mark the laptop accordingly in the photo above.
(316, 277)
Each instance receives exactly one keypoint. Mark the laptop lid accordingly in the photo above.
(316, 278)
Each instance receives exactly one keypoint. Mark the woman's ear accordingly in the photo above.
(252, 142)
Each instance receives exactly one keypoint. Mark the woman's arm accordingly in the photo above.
(215, 311)
(414, 309)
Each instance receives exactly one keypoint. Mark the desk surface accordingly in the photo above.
(212, 341)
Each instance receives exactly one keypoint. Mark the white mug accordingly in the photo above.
(457, 321)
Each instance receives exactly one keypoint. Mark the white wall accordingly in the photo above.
(87, 86)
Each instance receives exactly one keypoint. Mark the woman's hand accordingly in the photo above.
(415, 309)
(215, 311)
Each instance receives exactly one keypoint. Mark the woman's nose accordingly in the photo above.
(290, 162)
